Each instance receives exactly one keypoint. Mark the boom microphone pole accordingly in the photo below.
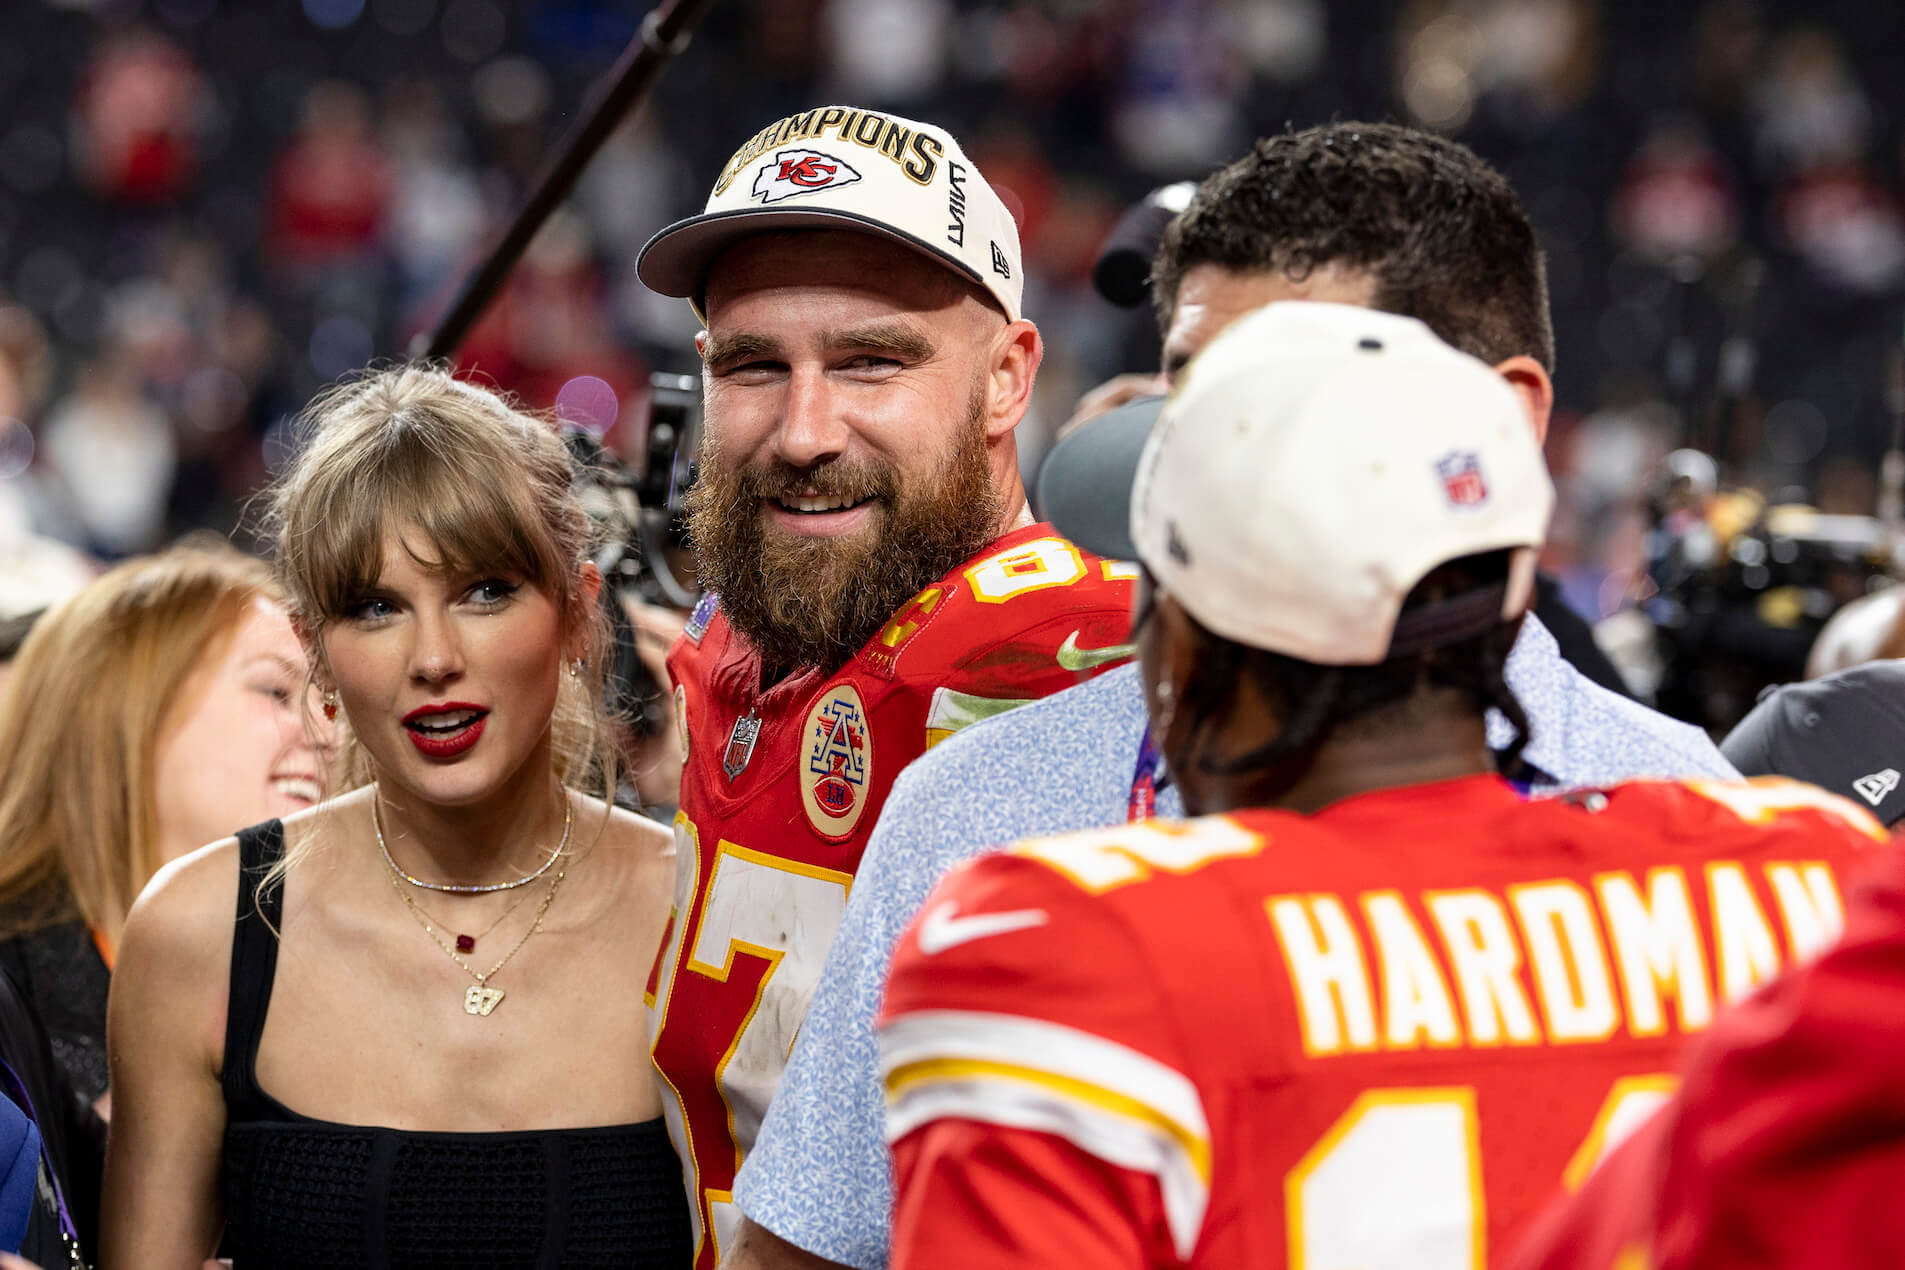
(1892, 467)
(664, 34)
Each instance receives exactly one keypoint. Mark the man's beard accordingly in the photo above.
(815, 601)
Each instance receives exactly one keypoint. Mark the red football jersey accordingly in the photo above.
(1786, 1143)
(1373, 1038)
(780, 791)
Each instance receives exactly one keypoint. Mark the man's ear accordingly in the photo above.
(1016, 353)
(1531, 383)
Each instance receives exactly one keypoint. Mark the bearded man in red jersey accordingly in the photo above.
(880, 582)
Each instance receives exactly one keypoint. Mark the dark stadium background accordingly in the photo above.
(208, 209)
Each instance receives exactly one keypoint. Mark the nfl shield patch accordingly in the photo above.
(1461, 473)
(747, 730)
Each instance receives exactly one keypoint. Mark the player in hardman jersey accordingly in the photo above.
(881, 584)
(1373, 1005)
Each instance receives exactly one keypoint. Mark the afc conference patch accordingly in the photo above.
(1461, 473)
(836, 762)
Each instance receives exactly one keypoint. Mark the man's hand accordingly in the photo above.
(1114, 392)
(758, 1248)
(658, 765)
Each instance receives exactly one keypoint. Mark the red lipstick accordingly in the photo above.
(445, 742)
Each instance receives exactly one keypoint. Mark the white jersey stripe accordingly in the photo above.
(1107, 1099)
(1106, 1135)
(1017, 1041)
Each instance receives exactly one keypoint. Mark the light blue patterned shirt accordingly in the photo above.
(819, 1175)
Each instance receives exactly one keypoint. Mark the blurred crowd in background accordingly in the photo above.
(208, 209)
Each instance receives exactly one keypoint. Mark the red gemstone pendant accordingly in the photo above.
(466, 943)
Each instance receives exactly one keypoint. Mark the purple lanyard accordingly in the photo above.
(1144, 781)
(14, 1088)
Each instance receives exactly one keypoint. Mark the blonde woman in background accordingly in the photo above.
(157, 708)
(406, 1027)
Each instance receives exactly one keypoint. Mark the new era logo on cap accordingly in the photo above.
(795, 172)
(1875, 787)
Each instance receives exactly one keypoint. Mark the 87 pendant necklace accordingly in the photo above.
(478, 999)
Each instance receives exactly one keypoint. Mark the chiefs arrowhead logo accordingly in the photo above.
(794, 172)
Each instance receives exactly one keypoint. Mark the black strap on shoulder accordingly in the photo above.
(254, 964)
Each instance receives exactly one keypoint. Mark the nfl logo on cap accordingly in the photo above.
(1461, 474)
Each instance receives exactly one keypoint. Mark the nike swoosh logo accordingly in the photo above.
(943, 928)
(1073, 658)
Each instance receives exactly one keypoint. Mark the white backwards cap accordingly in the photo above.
(1316, 462)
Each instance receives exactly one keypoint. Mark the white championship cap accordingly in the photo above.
(1316, 462)
(840, 167)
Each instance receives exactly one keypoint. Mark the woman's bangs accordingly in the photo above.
(479, 526)
(469, 520)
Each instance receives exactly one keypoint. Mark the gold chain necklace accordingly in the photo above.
(450, 888)
(479, 998)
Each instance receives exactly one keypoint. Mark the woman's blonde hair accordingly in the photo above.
(486, 487)
(85, 707)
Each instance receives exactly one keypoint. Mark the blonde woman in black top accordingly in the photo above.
(405, 1027)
